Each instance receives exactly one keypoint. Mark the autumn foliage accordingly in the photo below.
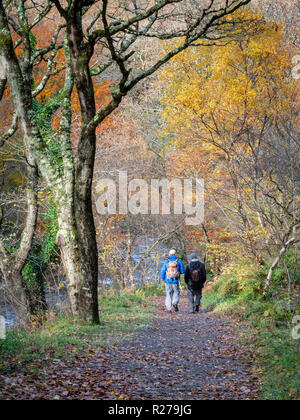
(219, 104)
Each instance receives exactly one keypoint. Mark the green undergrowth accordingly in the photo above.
(265, 322)
(121, 314)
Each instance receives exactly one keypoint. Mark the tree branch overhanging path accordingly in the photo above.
(113, 32)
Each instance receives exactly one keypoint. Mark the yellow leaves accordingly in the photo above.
(61, 285)
(244, 81)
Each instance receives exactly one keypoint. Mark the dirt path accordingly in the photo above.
(182, 356)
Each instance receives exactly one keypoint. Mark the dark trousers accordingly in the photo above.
(194, 297)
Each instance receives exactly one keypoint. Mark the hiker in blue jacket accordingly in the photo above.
(170, 274)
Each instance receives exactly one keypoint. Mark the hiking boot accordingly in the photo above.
(197, 308)
(176, 309)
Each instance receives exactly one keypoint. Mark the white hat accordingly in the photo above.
(172, 252)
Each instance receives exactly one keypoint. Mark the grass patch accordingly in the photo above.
(120, 315)
(267, 325)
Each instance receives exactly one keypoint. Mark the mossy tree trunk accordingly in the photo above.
(12, 264)
(70, 183)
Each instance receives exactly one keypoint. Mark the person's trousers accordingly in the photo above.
(194, 297)
(172, 295)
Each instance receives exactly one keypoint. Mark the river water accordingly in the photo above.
(56, 299)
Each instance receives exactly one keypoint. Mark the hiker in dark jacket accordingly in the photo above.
(195, 277)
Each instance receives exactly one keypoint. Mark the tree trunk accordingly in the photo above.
(207, 241)
(129, 269)
(80, 260)
(89, 256)
(11, 265)
(277, 260)
(77, 237)
(17, 296)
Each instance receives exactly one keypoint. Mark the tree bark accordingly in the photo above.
(12, 264)
(15, 286)
(71, 187)
(277, 260)
(80, 266)
(18, 296)
(78, 244)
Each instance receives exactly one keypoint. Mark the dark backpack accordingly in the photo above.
(195, 275)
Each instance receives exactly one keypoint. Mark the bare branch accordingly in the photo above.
(10, 132)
